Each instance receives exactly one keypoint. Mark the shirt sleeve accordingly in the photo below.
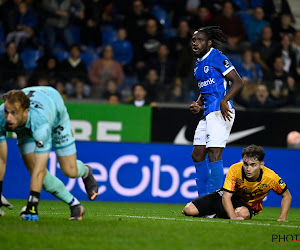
(278, 185)
(230, 181)
(222, 64)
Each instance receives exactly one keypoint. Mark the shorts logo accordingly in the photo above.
(207, 136)
(206, 69)
(226, 64)
(39, 144)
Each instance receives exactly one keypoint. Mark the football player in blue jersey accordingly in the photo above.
(218, 83)
(40, 119)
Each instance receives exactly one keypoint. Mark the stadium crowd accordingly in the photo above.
(139, 52)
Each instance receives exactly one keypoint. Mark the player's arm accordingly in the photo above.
(196, 106)
(236, 85)
(227, 204)
(3, 157)
(285, 205)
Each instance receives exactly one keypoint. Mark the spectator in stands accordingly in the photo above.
(11, 65)
(255, 25)
(21, 81)
(284, 27)
(139, 96)
(164, 66)
(114, 99)
(73, 70)
(104, 69)
(148, 46)
(181, 40)
(25, 24)
(155, 90)
(60, 87)
(296, 46)
(286, 52)
(274, 8)
(111, 89)
(43, 80)
(123, 51)
(80, 92)
(176, 94)
(47, 65)
(250, 72)
(264, 49)
(136, 20)
(261, 99)
(8, 13)
(91, 29)
(279, 82)
(185, 72)
(58, 20)
(233, 28)
(203, 17)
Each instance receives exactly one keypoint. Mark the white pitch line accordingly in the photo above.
(204, 220)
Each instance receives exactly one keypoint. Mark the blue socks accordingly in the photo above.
(217, 175)
(202, 177)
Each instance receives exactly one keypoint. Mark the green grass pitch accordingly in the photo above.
(112, 225)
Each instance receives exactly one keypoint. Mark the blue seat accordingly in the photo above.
(61, 54)
(108, 36)
(29, 58)
(2, 34)
(88, 58)
(76, 35)
(162, 16)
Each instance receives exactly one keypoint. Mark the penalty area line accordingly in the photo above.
(203, 220)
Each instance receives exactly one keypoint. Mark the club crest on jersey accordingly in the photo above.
(206, 69)
(226, 64)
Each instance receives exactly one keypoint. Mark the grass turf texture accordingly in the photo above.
(108, 225)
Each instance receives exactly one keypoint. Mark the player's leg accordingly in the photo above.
(55, 186)
(74, 168)
(202, 206)
(218, 131)
(216, 166)
(198, 156)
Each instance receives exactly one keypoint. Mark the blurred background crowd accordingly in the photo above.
(139, 52)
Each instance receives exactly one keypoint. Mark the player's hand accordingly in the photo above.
(279, 219)
(225, 110)
(31, 213)
(237, 218)
(195, 108)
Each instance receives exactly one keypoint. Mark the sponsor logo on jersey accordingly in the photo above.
(206, 69)
(281, 182)
(39, 144)
(205, 83)
(226, 64)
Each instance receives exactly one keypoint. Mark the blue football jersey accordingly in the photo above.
(210, 72)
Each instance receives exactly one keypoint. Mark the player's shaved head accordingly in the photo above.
(254, 151)
(14, 96)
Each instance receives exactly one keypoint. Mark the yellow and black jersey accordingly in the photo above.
(253, 192)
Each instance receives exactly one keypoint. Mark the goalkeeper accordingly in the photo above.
(39, 118)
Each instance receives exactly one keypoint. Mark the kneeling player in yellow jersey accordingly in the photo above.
(246, 185)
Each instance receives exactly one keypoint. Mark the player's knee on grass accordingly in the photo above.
(190, 210)
(242, 212)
